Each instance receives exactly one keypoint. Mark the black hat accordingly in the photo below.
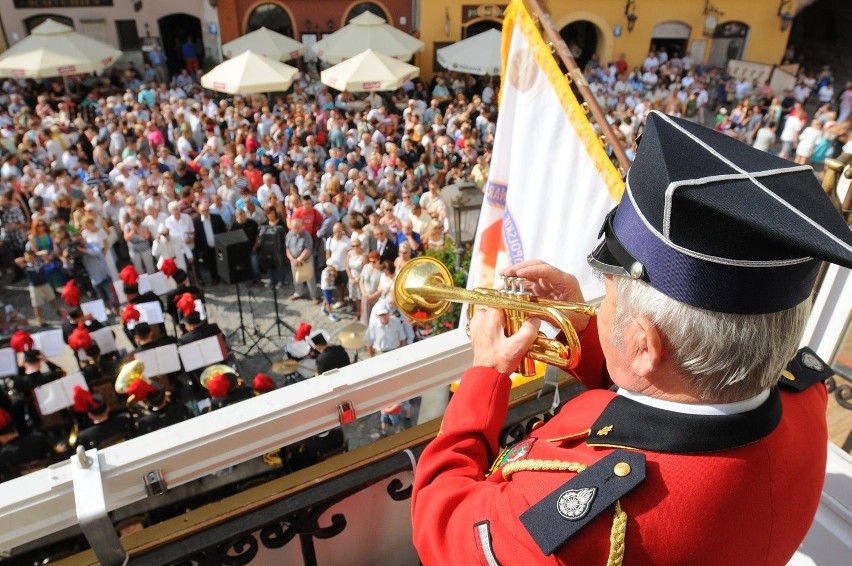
(719, 225)
(192, 318)
(142, 329)
(131, 289)
(32, 356)
(179, 275)
(75, 313)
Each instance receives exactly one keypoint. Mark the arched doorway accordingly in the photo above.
(175, 29)
(273, 17)
(371, 7)
(729, 40)
(34, 21)
(478, 26)
(581, 37)
(671, 36)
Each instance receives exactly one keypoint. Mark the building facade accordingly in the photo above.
(129, 25)
(306, 20)
(711, 32)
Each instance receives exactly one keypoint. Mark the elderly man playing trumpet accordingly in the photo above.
(705, 450)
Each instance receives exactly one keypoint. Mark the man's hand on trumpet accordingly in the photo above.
(545, 281)
(492, 348)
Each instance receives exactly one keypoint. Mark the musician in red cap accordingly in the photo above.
(153, 406)
(20, 386)
(262, 383)
(17, 451)
(225, 388)
(710, 446)
(182, 287)
(106, 429)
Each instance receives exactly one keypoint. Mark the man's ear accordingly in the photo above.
(645, 344)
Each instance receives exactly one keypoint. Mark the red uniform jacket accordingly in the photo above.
(739, 489)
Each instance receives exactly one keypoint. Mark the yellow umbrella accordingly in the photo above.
(266, 42)
(368, 71)
(56, 50)
(249, 73)
(366, 31)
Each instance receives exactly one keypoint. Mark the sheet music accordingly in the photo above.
(95, 308)
(156, 282)
(8, 362)
(50, 342)
(119, 293)
(152, 312)
(159, 361)
(201, 353)
(57, 395)
(105, 340)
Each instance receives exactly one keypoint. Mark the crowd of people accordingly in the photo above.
(102, 173)
(753, 113)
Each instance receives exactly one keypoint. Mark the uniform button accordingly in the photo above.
(622, 469)
(788, 376)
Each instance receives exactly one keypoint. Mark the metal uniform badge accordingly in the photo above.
(574, 504)
(812, 362)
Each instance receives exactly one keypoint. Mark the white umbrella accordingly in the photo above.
(265, 42)
(366, 31)
(249, 73)
(56, 50)
(477, 55)
(369, 71)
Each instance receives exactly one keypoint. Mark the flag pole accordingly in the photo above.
(575, 76)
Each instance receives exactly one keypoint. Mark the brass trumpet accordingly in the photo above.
(424, 290)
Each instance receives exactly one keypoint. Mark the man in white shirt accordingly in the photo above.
(384, 333)
(180, 227)
(269, 187)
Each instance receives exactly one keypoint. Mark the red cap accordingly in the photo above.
(130, 313)
(140, 389)
(219, 386)
(303, 331)
(186, 304)
(262, 383)
(5, 420)
(21, 341)
(83, 400)
(128, 275)
(168, 267)
(80, 339)
(71, 294)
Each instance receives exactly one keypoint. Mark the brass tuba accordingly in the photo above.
(424, 290)
(130, 372)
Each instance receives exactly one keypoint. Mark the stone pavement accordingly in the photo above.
(262, 336)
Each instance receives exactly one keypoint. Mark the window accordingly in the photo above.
(367, 7)
(128, 35)
(271, 16)
(33, 21)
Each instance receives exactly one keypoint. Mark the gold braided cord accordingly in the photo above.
(618, 532)
(533, 465)
(617, 536)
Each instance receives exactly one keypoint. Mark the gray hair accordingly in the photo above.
(729, 357)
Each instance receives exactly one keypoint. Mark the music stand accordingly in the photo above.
(242, 329)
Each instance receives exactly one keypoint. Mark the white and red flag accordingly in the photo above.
(551, 183)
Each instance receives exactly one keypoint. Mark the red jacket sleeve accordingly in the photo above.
(451, 496)
(591, 370)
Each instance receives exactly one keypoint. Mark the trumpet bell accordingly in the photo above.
(420, 274)
(129, 372)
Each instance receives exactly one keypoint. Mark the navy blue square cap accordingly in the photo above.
(719, 225)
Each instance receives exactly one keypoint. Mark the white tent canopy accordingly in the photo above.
(366, 31)
(477, 55)
(266, 42)
(56, 50)
(369, 71)
(249, 73)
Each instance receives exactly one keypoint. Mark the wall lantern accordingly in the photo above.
(786, 14)
(630, 12)
(309, 24)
